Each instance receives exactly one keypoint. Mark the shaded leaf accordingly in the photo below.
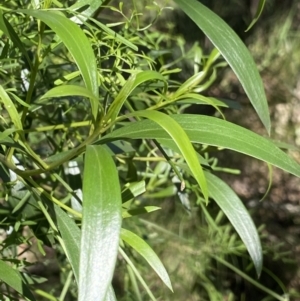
(70, 234)
(238, 215)
(10, 32)
(138, 211)
(259, 11)
(11, 109)
(13, 278)
(133, 190)
(6, 133)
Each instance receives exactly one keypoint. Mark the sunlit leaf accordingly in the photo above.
(78, 45)
(71, 238)
(68, 90)
(133, 82)
(101, 224)
(234, 52)
(144, 250)
(216, 132)
(178, 135)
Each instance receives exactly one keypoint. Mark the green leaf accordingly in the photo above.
(11, 109)
(234, 52)
(216, 132)
(68, 90)
(10, 32)
(14, 279)
(133, 190)
(259, 11)
(133, 82)
(93, 5)
(178, 135)
(71, 238)
(70, 234)
(110, 295)
(138, 211)
(6, 133)
(238, 215)
(145, 251)
(78, 45)
(101, 224)
(115, 35)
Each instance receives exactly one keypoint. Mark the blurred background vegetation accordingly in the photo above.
(274, 42)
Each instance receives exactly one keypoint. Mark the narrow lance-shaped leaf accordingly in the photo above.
(92, 6)
(78, 45)
(213, 131)
(144, 250)
(133, 82)
(234, 51)
(68, 90)
(238, 215)
(10, 32)
(70, 234)
(101, 223)
(71, 238)
(13, 278)
(259, 11)
(178, 135)
(10, 108)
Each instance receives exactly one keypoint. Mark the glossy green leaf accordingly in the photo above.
(178, 135)
(10, 108)
(71, 238)
(101, 222)
(216, 132)
(78, 45)
(238, 215)
(133, 82)
(13, 278)
(145, 251)
(68, 90)
(234, 52)
(258, 13)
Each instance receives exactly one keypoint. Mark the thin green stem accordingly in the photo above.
(249, 279)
